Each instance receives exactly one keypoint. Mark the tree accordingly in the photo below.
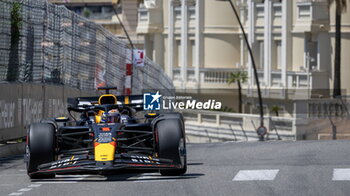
(340, 9)
(275, 109)
(238, 77)
(86, 12)
(16, 22)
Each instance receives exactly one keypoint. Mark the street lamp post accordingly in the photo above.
(129, 69)
(261, 130)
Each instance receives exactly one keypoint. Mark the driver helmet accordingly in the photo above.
(113, 116)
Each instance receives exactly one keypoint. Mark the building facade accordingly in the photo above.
(102, 12)
(199, 43)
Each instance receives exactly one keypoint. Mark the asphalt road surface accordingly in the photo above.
(253, 168)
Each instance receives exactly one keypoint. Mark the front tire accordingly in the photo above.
(40, 148)
(172, 145)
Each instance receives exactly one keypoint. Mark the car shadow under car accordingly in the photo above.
(130, 177)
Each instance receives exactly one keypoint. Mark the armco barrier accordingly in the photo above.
(22, 104)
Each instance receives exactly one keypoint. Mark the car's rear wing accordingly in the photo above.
(134, 101)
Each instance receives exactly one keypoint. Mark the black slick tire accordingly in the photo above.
(40, 148)
(172, 145)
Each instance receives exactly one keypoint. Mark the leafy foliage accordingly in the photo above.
(86, 13)
(16, 22)
(276, 109)
(341, 3)
(239, 76)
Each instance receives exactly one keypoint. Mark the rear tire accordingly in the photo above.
(172, 145)
(40, 148)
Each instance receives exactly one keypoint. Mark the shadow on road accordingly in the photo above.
(194, 164)
(130, 177)
(156, 177)
(9, 161)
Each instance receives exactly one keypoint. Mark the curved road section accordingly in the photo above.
(250, 168)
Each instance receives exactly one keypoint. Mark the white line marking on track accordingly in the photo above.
(25, 189)
(341, 174)
(71, 177)
(34, 185)
(29, 188)
(153, 178)
(255, 175)
(64, 179)
(57, 182)
(16, 193)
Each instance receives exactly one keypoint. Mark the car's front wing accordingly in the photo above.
(87, 164)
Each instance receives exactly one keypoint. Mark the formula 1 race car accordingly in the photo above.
(107, 136)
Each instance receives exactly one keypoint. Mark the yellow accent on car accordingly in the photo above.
(62, 119)
(102, 100)
(152, 114)
(126, 100)
(107, 99)
(104, 152)
(98, 118)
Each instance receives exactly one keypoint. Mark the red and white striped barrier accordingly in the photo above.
(128, 76)
(138, 61)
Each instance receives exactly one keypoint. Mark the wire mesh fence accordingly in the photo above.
(59, 47)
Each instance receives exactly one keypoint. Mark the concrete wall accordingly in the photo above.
(322, 129)
(209, 126)
(22, 104)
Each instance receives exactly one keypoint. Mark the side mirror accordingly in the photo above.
(72, 102)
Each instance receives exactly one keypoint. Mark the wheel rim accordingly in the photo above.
(28, 155)
(182, 152)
